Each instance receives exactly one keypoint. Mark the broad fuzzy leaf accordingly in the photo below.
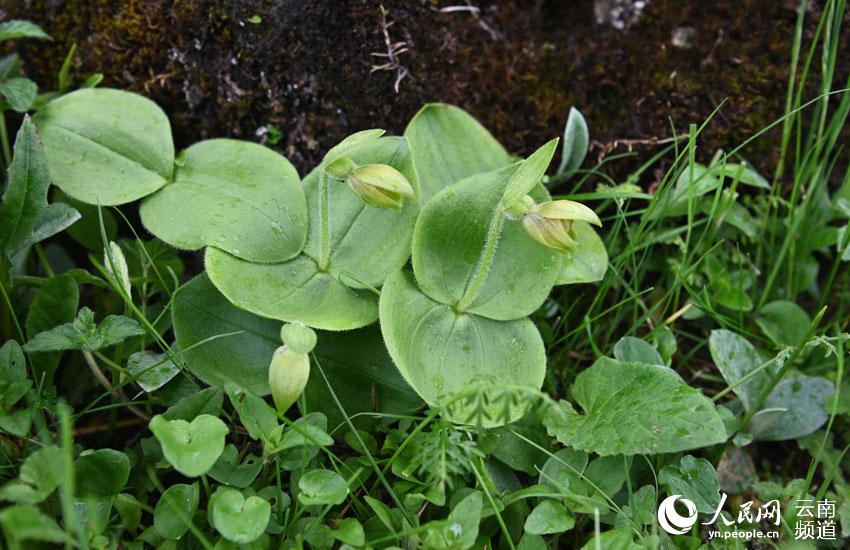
(469, 254)
(449, 145)
(83, 333)
(633, 408)
(245, 199)
(442, 353)
(106, 146)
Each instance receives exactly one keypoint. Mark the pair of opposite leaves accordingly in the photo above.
(111, 147)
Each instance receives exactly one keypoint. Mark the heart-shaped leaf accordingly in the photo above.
(192, 448)
(469, 254)
(449, 145)
(101, 473)
(322, 487)
(442, 353)
(106, 146)
(672, 416)
(589, 262)
(238, 519)
(246, 199)
(175, 509)
(221, 343)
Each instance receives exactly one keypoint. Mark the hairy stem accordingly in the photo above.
(484, 262)
(325, 241)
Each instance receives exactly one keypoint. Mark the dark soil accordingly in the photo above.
(306, 67)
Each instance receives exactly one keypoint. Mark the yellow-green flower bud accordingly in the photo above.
(298, 337)
(380, 185)
(116, 267)
(288, 375)
(551, 223)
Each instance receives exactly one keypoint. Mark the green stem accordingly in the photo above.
(39, 251)
(324, 200)
(484, 262)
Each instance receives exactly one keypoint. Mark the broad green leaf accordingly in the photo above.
(51, 221)
(695, 479)
(589, 262)
(442, 353)
(784, 322)
(633, 408)
(175, 509)
(576, 141)
(20, 28)
(83, 333)
(736, 358)
(10, 66)
(743, 172)
(615, 539)
(221, 343)
(106, 146)
(239, 519)
(229, 470)
(41, 473)
(802, 402)
(308, 430)
(19, 93)
(292, 291)
(459, 530)
(349, 531)
(365, 243)
(28, 523)
(255, 414)
(13, 375)
(55, 303)
(549, 517)
(563, 468)
(629, 348)
(207, 401)
(449, 145)
(151, 370)
(322, 487)
(363, 376)
(693, 182)
(26, 193)
(469, 254)
(245, 199)
(101, 473)
(16, 423)
(191, 447)
(529, 173)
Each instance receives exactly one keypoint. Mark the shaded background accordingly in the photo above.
(637, 69)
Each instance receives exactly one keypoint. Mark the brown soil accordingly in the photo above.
(233, 68)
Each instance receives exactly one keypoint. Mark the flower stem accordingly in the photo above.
(484, 262)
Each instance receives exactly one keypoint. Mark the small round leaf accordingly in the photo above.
(322, 487)
(239, 519)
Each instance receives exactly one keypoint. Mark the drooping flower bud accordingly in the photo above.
(116, 266)
(380, 185)
(288, 375)
(551, 223)
(298, 337)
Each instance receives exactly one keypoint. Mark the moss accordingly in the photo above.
(306, 68)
